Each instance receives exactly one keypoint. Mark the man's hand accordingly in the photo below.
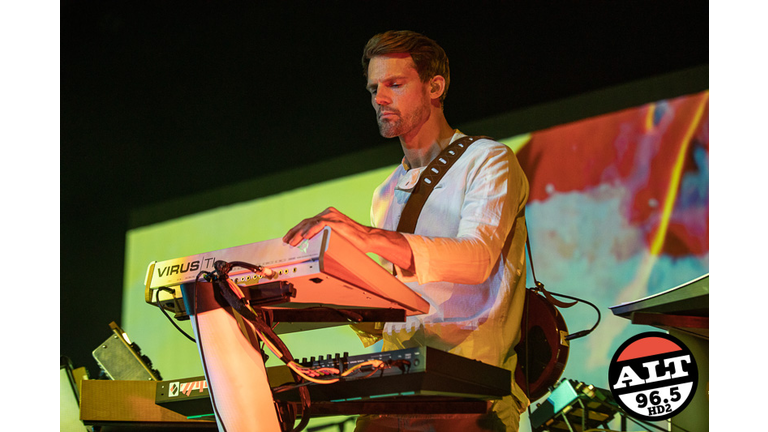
(339, 223)
(389, 245)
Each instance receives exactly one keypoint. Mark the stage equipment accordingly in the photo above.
(325, 271)
(379, 378)
(576, 407)
(188, 396)
(130, 406)
(412, 371)
(121, 359)
(683, 309)
(235, 299)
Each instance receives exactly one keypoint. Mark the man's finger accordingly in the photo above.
(314, 229)
(293, 236)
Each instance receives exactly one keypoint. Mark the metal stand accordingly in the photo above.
(233, 365)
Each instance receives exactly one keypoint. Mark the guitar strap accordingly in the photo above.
(429, 178)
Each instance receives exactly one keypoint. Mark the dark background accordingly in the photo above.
(161, 100)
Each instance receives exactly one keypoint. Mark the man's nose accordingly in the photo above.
(382, 97)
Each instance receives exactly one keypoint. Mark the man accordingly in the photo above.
(467, 254)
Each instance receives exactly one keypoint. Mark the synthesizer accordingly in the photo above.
(389, 376)
(419, 371)
(324, 271)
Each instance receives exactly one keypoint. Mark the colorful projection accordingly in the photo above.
(619, 210)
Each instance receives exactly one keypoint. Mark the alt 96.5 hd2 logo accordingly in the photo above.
(653, 376)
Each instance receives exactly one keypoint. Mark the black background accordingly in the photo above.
(154, 93)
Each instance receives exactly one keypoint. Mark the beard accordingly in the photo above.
(402, 124)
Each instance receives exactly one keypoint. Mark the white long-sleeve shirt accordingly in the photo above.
(469, 255)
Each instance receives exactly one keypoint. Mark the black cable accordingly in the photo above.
(246, 311)
(581, 333)
(169, 317)
(266, 330)
(540, 287)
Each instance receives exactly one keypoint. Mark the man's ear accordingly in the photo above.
(436, 87)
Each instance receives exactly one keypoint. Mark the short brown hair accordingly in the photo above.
(429, 57)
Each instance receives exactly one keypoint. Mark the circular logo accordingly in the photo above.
(653, 376)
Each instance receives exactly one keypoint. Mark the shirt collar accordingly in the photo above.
(456, 135)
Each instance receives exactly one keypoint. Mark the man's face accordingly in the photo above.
(399, 97)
